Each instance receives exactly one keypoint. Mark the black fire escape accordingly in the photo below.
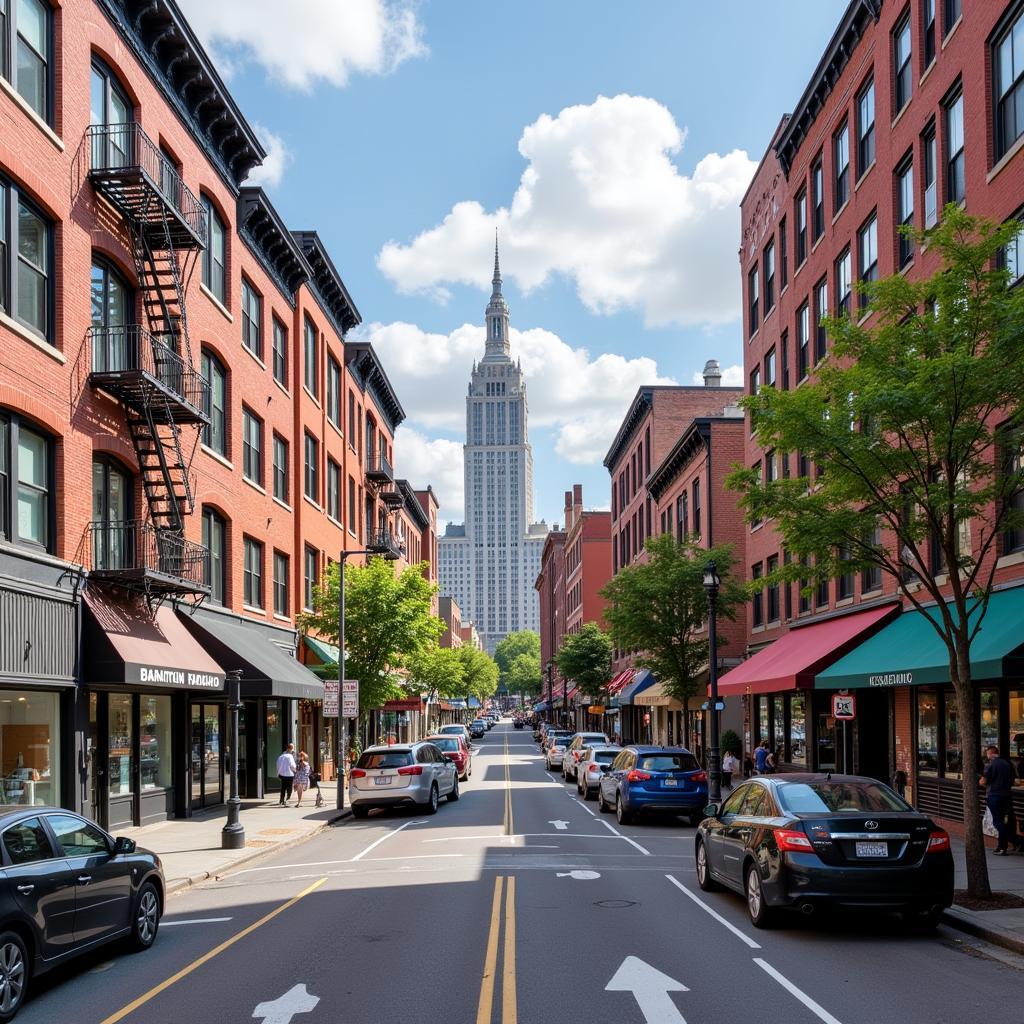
(149, 367)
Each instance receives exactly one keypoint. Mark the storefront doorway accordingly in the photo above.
(207, 755)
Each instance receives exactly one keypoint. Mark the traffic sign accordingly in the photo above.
(844, 706)
(330, 698)
(350, 698)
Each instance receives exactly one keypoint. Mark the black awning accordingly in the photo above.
(267, 669)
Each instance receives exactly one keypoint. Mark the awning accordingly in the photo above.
(908, 652)
(643, 679)
(541, 706)
(404, 704)
(267, 670)
(656, 697)
(124, 642)
(619, 682)
(321, 649)
(792, 662)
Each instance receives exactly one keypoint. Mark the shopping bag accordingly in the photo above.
(988, 825)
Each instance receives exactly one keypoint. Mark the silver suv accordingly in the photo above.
(413, 774)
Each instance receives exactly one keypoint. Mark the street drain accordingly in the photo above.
(616, 904)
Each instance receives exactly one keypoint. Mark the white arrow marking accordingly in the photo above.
(560, 825)
(280, 1011)
(583, 876)
(651, 990)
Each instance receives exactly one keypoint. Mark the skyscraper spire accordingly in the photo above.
(496, 280)
(497, 315)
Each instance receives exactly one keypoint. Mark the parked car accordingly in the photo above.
(411, 774)
(477, 728)
(67, 886)
(489, 721)
(457, 730)
(457, 748)
(556, 740)
(590, 768)
(647, 780)
(517, 722)
(577, 742)
(805, 841)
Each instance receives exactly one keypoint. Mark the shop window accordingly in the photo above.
(779, 729)
(120, 744)
(989, 733)
(762, 719)
(927, 731)
(1015, 717)
(825, 737)
(30, 747)
(798, 728)
(951, 730)
(155, 742)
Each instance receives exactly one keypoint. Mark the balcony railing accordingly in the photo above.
(393, 499)
(378, 469)
(133, 552)
(118, 152)
(386, 544)
(121, 354)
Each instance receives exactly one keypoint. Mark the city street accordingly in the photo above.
(518, 903)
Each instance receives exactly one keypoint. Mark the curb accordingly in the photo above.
(965, 922)
(180, 885)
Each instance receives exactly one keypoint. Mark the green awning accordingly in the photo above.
(327, 653)
(908, 652)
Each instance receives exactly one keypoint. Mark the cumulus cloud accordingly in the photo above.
(732, 377)
(279, 156)
(437, 462)
(602, 203)
(304, 42)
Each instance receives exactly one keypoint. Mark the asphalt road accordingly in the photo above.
(516, 904)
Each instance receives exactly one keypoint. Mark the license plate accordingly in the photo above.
(671, 782)
(872, 849)
(383, 780)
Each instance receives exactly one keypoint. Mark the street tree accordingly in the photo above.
(523, 641)
(913, 427)
(585, 658)
(523, 676)
(480, 672)
(438, 672)
(660, 608)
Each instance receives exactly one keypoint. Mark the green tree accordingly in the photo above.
(388, 623)
(660, 608)
(906, 423)
(481, 672)
(523, 641)
(523, 676)
(438, 672)
(586, 659)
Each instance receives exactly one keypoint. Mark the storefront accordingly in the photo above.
(147, 751)
(633, 724)
(317, 733)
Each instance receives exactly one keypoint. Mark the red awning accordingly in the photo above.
(572, 693)
(793, 660)
(403, 704)
(620, 681)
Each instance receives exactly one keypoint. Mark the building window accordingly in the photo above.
(821, 594)
(280, 469)
(771, 566)
(312, 469)
(929, 157)
(800, 227)
(756, 573)
(26, 482)
(844, 283)
(783, 254)
(804, 601)
(1013, 469)
(252, 573)
(215, 433)
(1008, 61)
(280, 353)
(752, 298)
(755, 380)
(214, 255)
(334, 391)
(1012, 258)
(866, 128)
(311, 576)
(252, 447)
(817, 199)
(26, 35)
(803, 341)
(111, 308)
(352, 516)
(844, 582)
(905, 211)
(252, 319)
(280, 583)
(784, 348)
(868, 246)
(769, 277)
(956, 184)
(841, 165)
(214, 540)
(929, 32)
(310, 353)
(820, 313)
(951, 15)
(334, 490)
(351, 418)
(696, 508)
(769, 369)
(26, 282)
(871, 578)
(904, 70)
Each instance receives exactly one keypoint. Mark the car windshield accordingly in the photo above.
(668, 763)
(385, 759)
(838, 797)
(590, 737)
(453, 728)
(445, 744)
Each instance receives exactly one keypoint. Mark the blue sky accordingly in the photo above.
(401, 132)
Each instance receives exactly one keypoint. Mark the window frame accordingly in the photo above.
(903, 70)
(13, 198)
(843, 273)
(311, 357)
(817, 198)
(955, 160)
(280, 470)
(803, 341)
(279, 351)
(212, 520)
(952, 12)
(309, 553)
(280, 584)
(9, 57)
(820, 313)
(209, 262)
(253, 551)
(928, 26)
(768, 265)
(773, 609)
(335, 387)
(756, 596)
(904, 217)
(753, 300)
(866, 128)
(252, 453)
(841, 166)
(252, 318)
(333, 476)
(13, 424)
(867, 271)
(930, 175)
(1004, 32)
(209, 358)
(311, 469)
(800, 215)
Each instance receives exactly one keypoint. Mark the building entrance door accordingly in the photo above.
(206, 755)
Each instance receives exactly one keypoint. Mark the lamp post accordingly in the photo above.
(565, 703)
(712, 581)
(232, 835)
(551, 695)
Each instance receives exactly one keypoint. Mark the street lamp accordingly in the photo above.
(551, 694)
(712, 581)
(232, 835)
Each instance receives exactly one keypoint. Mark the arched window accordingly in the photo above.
(215, 433)
(111, 315)
(110, 113)
(113, 533)
(26, 483)
(215, 541)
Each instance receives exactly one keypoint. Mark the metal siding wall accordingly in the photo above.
(49, 627)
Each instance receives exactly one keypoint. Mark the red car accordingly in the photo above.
(455, 747)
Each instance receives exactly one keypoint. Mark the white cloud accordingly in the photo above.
(437, 462)
(279, 156)
(303, 42)
(732, 377)
(602, 203)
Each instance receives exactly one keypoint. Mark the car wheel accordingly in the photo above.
(454, 794)
(761, 915)
(432, 802)
(704, 879)
(147, 917)
(922, 920)
(601, 805)
(622, 816)
(13, 974)
(359, 811)
(565, 774)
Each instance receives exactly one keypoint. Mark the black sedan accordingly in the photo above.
(67, 887)
(807, 841)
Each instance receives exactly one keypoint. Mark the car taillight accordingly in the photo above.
(793, 841)
(593, 768)
(637, 776)
(938, 841)
(699, 777)
(413, 769)
(577, 754)
(357, 773)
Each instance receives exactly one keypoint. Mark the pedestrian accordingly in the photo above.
(303, 771)
(730, 764)
(286, 772)
(998, 779)
(761, 758)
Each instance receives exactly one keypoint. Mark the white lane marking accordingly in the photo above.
(281, 1010)
(585, 807)
(632, 842)
(583, 876)
(819, 1011)
(650, 988)
(197, 920)
(387, 835)
(528, 835)
(714, 913)
(559, 824)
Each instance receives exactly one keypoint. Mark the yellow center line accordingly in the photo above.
(508, 979)
(216, 951)
(483, 1013)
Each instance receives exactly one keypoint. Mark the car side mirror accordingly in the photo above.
(606, 768)
(447, 757)
(711, 811)
(123, 846)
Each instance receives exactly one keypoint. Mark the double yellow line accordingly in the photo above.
(508, 976)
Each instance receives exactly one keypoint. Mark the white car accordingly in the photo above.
(416, 774)
(590, 768)
(555, 743)
(579, 742)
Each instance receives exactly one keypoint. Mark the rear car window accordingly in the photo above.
(668, 763)
(27, 841)
(385, 759)
(605, 756)
(446, 744)
(837, 797)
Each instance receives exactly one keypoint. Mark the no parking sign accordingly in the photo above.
(844, 706)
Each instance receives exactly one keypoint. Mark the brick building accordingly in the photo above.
(550, 586)
(910, 107)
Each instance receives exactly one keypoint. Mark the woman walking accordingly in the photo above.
(302, 773)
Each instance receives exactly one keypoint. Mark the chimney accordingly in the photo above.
(712, 374)
(577, 501)
(568, 509)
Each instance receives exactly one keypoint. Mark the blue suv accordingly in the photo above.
(653, 779)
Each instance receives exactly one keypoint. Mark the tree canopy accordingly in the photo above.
(480, 672)
(586, 658)
(518, 660)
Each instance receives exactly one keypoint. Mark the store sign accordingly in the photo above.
(595, 709)
(892, 679)
(331, 690)
(350, 698)
(844, 706)
(158, 675)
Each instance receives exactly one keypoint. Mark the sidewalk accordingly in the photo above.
(190, 848)
(1002, 927)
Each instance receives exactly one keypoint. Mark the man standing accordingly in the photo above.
(286, 772)
(998, 778)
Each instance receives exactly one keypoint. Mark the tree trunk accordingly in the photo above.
(974, 840)
(686, 724)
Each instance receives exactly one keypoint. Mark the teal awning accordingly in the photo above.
(327, 653)
(908, 652)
